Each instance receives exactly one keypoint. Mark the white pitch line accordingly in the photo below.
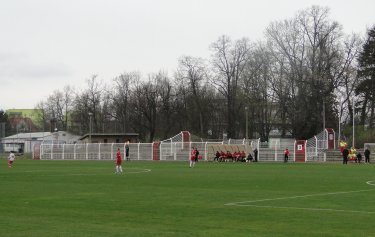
(301, 196)
(126, 171)
(309, 209)
(249, 203)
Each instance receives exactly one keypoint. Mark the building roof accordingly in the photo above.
(40, 136)
(32, 135)
(109, 135)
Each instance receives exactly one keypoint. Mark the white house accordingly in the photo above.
(24, 142)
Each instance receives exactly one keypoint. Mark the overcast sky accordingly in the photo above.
(47, 44)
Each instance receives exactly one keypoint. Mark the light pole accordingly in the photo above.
(324, 115)
(90, 126)
(353, 144)
(246, 113)
(340, 113)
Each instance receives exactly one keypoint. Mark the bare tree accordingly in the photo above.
(89, 101)
(56, 109)
(228, 63)
(259, 98)
(121, 98)
(308, 56)
(192, 72)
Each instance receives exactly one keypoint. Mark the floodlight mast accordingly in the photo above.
(90, 125)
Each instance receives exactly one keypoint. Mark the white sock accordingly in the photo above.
(120, 169)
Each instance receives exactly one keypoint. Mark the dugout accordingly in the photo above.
(212, 148)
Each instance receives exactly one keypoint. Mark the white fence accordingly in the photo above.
(274, 149)
(178, 149)
(95, 151)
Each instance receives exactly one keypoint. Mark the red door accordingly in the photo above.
(300, 151)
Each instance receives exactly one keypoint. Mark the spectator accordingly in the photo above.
(217, 156)
(256, 155)
(345, 154)
(127, 150)
(359, 158)
(196, 154)
(353, 153)
(286, 155)
(343, 145)
(367, 155)
(249, 158)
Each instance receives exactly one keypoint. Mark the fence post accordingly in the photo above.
(112, 150)
(205, 152)
(174, 150)
(152, 151)
(99, 152)
(160, 150)
(316, 146)
(294, 151)
(190, 145)
(276, 150)
(258, 148)
(41, 150)
(87, 153)
(139, 144)
(326, 139)
(306, 151)
(63, 151)
(74, 151)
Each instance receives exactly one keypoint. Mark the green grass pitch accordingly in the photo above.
(86, 198)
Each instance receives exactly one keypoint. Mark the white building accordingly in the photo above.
(24, 142)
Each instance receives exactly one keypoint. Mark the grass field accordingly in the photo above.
(86, 198)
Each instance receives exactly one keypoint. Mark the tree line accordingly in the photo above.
(302, 77)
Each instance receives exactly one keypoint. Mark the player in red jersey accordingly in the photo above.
(11, 158)
(192, 157)
(286, 155)
(118, 162)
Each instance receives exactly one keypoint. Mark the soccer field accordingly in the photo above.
(86, 198)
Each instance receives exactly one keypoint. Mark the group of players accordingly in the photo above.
(352, 154)
(236, 156)
(241, 156)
